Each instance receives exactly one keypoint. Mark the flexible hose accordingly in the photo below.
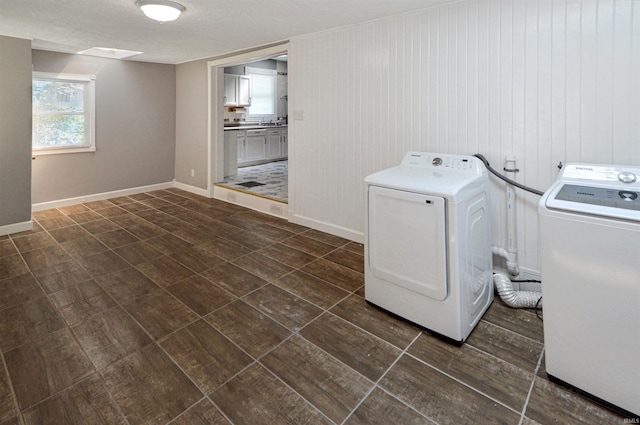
(513, 298)
(507, 179)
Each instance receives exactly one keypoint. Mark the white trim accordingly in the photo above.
(253, 56)
(99, 196)
(192, 189)
(257, 203)
(332, 229)
(215, 88)
(9, 229)
(63, 76)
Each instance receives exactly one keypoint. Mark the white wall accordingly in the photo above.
(544, 81)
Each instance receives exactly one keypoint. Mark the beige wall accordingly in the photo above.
(135, 129)
(191, 124)
(15, 132)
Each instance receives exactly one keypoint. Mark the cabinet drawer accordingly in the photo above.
(254, 133)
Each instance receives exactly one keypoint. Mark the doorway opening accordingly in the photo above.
(269, 180)
(248, 130)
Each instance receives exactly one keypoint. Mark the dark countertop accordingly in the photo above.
(252, 127)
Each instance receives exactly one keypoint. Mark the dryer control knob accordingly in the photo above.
(437, 161)
(627, 177)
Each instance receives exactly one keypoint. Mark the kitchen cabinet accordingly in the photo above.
(285, 143)
(233, 151)
(277, 143)
(237, 90)
(241, 141)
(256, 145)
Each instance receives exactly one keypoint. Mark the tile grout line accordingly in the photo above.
(533, 382)
(376, 384)
(69, 327)
(119, 305)
(157, 341)
(14, 397)
(511, 331)
(458, 380)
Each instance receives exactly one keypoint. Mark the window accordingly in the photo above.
(63, 113)
(263, 93)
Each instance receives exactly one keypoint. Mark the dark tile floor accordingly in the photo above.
(166, 307)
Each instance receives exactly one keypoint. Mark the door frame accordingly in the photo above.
(215, 119)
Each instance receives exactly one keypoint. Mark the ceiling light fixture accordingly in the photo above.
(161, 10)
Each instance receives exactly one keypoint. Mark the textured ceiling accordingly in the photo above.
(208, 28)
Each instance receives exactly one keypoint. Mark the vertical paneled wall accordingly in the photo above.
(546, 81)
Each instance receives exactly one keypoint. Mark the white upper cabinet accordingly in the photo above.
(244, 90)
(237, 90)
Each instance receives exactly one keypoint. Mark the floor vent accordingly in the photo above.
(250, 184)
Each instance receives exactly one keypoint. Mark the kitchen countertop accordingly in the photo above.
(252, 127)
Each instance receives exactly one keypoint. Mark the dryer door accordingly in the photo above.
(407, 240)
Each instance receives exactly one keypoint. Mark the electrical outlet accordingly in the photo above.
(193, 172)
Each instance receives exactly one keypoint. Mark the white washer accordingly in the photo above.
(427, 242)
(590, 262)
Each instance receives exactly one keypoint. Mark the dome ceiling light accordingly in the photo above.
(161, 10)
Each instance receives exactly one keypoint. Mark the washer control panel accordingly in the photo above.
(605, 190)
(627, 177)
(602, 174)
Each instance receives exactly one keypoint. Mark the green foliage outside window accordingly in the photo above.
(58, 113)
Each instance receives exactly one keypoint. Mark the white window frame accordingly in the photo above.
(89, 113)
(260, 71)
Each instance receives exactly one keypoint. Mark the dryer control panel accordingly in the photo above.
(466, 163)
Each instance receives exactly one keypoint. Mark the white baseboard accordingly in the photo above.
(99, 196)
(192, 189)
(342, 232)
(264, 205)
(257, 203)
(9, 229)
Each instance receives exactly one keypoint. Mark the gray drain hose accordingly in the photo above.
(513, 298)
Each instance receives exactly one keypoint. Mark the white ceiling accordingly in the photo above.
(208, 28)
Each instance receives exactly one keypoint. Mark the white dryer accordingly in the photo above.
(590, 264)
(427, 242)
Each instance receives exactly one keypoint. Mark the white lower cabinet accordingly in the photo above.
(277, 143)
(256, 146)
(262, 144)
(231, 152)
(274, 143)
(284, 142)
(241, 142)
